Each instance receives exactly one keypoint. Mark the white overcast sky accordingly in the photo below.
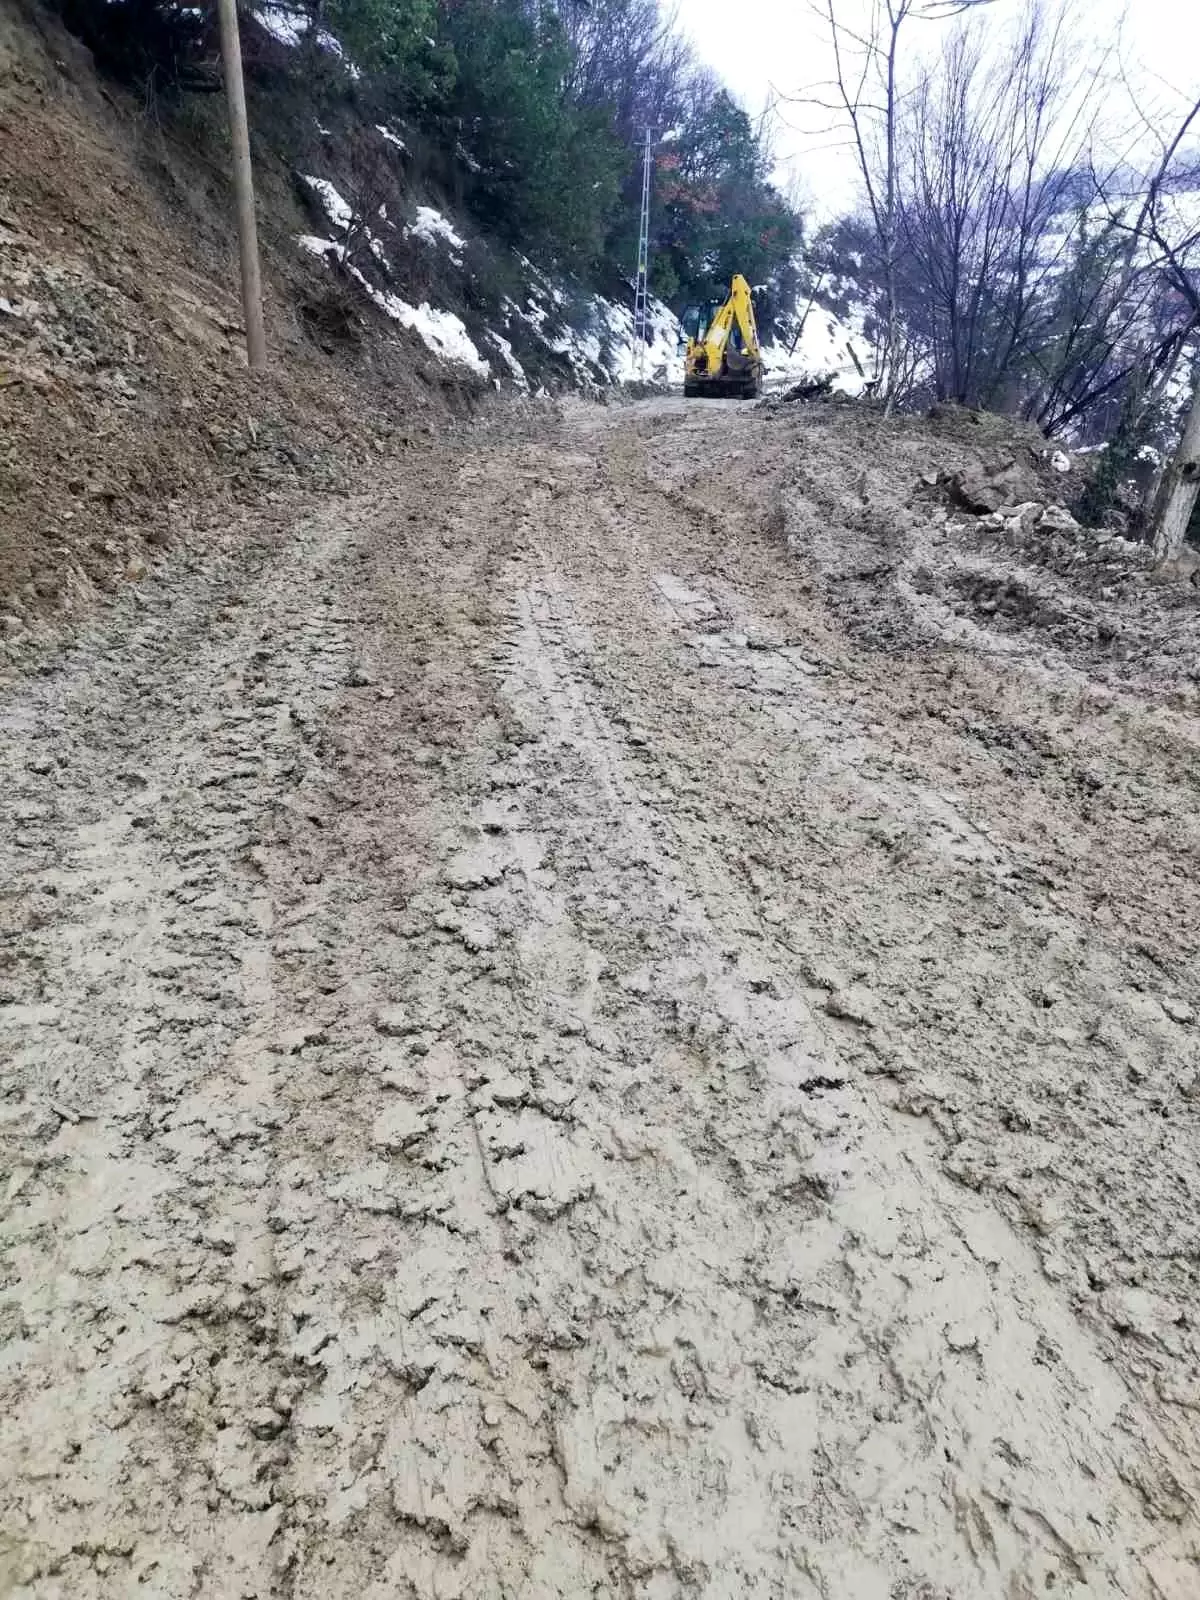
(760, 46)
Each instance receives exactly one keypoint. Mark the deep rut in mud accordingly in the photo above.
(550, 1057)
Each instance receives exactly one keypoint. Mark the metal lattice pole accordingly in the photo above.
(641, 292)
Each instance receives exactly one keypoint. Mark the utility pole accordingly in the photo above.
(243, 185)
(641, 291)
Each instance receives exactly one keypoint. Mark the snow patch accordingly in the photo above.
(662, 361)
(336, 208)
(320, 247)
(827, 347)
(514, 366)
(444, 332)
(289, 26)
(392, 138)
(340, 214)
(600, 346)
(282, 23)
(433, 227)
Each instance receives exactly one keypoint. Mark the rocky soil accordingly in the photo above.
(129, 424)
(578, 1028)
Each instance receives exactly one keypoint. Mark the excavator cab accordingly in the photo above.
(695, 321)
(723, 358)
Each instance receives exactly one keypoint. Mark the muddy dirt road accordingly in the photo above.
(561, 1041)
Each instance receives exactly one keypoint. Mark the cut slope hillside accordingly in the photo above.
(127, 417)
(128, 420)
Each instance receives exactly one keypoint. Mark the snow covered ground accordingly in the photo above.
(827, 347)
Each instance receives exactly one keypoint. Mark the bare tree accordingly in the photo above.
(995, 182)
(370, 169)
(631, 57)
(1003, 272)
(865, 92)
(1175, 241)
(1156, 210)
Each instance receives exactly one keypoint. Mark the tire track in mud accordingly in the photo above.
(984, 1306)
(502, 1199)
(143, 1373)
(1053, 1008)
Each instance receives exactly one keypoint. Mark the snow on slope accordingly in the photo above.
(516, 370)
(663, 358)
(598, 342)
(593, 334)
(289, 24)
(336, 209)
(443, 332)
(432, 226)
(828, 347)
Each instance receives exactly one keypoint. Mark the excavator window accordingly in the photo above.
(695, 321)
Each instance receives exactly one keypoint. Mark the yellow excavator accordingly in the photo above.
(723, 356)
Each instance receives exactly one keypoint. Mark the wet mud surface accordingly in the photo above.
(571, 1030)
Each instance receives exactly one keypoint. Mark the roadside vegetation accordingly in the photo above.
(539, 111)
(1029, 235)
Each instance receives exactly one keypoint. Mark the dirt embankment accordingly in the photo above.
(574, 1034)
(963, 533)
(128, 421)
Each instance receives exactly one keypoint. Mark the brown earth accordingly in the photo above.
(129, 422)
(578, 1027)
(593, 1002)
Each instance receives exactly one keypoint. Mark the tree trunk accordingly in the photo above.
(889, 244)
(1176, 498)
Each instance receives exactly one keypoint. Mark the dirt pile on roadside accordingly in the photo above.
(128, 420)
(964, 534)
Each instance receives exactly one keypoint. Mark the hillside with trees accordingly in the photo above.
(1028, 237)
(531, 117)
(1026, 241)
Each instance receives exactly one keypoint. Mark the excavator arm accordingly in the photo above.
(725, 359)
